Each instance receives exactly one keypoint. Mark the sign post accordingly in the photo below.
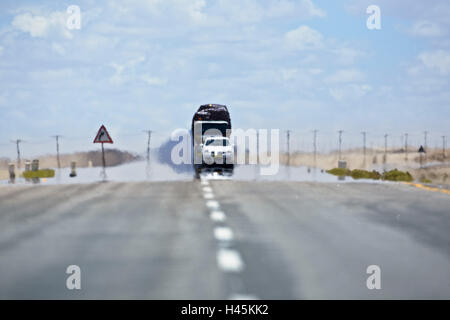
(421, 152)
(103, 137)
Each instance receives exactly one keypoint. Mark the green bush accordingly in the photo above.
(425, 180)
(43, 173)
(393, 175)
(339, 172)
(364, 174)
(397, 175)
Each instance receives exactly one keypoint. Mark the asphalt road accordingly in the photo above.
(224, 239)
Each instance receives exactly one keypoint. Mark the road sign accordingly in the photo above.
(421, 150)
(103, 136)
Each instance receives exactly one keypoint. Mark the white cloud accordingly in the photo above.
(350, 92)
(117, 78)
(303, 38)
(40, 26)
(345, 76)
(315, 71)
(426, 28)
(252, 11)
(346, 55)
(52, 75)
(153, 81)
(438, 60)
(59, 49)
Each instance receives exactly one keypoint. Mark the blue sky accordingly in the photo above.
(288, 64)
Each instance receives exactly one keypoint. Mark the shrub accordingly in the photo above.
(397, 175)
(339, 172)
(43, 173)
(364, 174)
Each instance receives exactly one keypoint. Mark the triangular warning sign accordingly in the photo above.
(422, 150)
(103, 136)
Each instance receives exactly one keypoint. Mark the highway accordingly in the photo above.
(224, 239)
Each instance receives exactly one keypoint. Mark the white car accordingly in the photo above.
(218, 150)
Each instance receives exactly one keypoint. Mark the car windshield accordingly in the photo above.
(217, 142)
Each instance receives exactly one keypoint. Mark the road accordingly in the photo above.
(224, 239)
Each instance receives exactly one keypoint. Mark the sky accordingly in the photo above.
(287, 64)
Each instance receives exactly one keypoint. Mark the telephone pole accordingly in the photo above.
(385, 148)
(425, 143)
(385, 144)
(149, 132)
(257, 147)
(17, 142)
(288, 136)
(406, 147)
(315, 145)
(364, 133)
(425, 140)
(340, 143)
(57, 150)
(443, 146)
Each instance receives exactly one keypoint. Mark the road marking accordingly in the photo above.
(207, 189)
(209, 195)
(229, 260)
(217, 216)
(421, 186)
(240, 296)
(212, 204)
(223, 234)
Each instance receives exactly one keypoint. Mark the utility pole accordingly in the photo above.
(257, 147)
(364, 133)
(57, 150)
(288, 136)
(425, 135)
(443, 146)
(340, 143)
(17, 142)
(385, 148)
(149, 132)
(425, 143)
(385, 144)
(406, 147)
(315, 145)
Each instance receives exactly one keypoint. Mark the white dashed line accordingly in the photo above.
(208, 196)
(217, 216)
(223, 234)
(207, 189)
(212, 204)
(229, 260)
